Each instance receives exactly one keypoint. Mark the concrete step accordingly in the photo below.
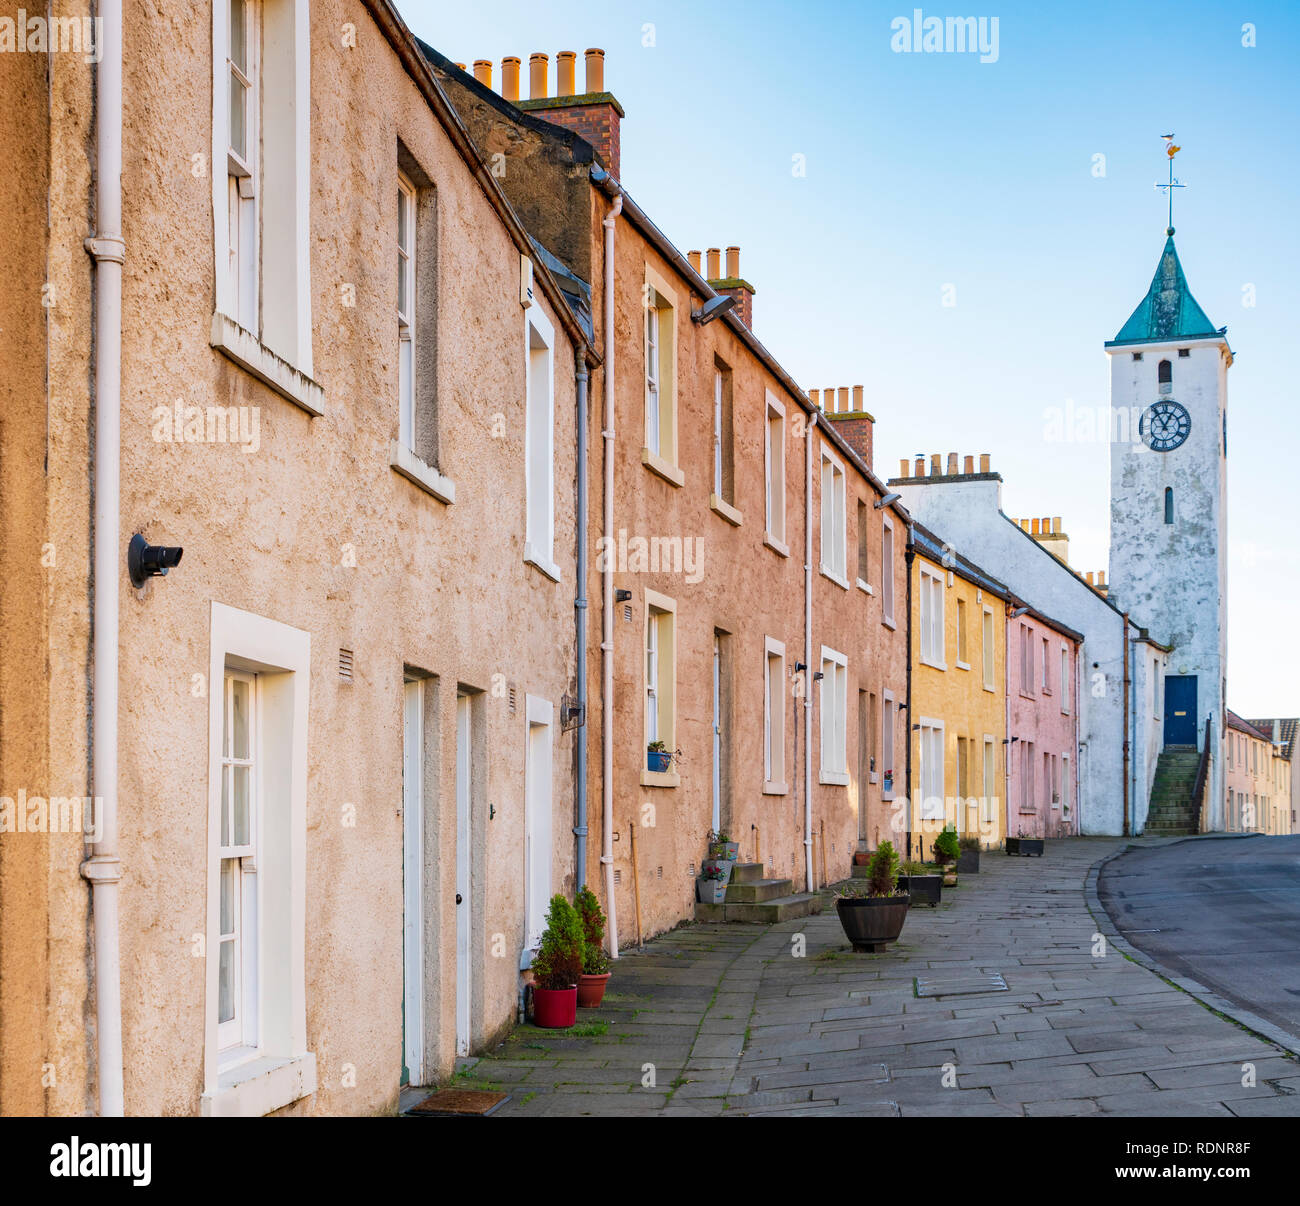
(758, 890)
(747, 873)
(781, 908)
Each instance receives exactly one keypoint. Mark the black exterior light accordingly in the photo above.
(145, 560)
(622, 594)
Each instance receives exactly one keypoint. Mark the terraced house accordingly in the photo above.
(1258, 779)
(333, 787)
(771, 664)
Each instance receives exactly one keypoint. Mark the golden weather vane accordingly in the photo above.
(1170, 150)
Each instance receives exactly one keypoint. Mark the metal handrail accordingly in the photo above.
(1203, 776)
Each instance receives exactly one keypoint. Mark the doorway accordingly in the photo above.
(1180, 709)
(464, 832)
(413, 883)
(537, 821)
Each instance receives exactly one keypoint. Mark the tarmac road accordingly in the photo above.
(1224, 911)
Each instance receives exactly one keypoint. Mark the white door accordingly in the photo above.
(537, 821)
(463, 916)
(413, 883)
(717, 736)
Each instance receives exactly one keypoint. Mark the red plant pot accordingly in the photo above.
(591, 989)
(555, 1008)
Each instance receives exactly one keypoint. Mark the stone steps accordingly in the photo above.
(1169, 809)
(754, 899)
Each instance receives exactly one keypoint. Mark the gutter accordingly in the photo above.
(909, 556)
(808, 652)
(103, 869)
(1128, 725)
(580, 628)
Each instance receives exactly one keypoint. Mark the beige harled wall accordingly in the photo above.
(440, 588)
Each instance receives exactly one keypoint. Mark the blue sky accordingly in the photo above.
(926, 170)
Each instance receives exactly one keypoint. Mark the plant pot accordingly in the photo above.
(711, 891)
(723, 864)
(1025, 846)
(555, 1008)
(658, 761)
(969, 860)
(949, 878)
(872, 922)
(861, 858)
(728, 851)
(591, 989)
(923, 889)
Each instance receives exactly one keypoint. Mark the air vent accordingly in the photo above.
(345, 665)
(660, 875)
(627, 612)
(690, 871)
(512, 698)
(618, 877)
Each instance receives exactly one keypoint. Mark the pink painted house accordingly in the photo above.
(1042, 692)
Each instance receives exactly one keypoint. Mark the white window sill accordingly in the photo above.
(833, 778)
(723, 508)
(775, 789)
(873, 776)
(866, 586)
(246, 350)
(662, 468)
(651, 778)
(990, 690)
(777, 546)
(411, 467)
(543, 564)
(886, 796)
(838, 579)
(925, 661)
(963, 665)
(256, 1088)
(888, 621)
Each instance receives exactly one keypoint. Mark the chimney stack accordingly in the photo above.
(593, 115)
(510, 78)
(852, 421)
(733, 284)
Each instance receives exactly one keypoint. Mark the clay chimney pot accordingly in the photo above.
(510, 77)
(565, 73)
(595, 70)
(537, 68)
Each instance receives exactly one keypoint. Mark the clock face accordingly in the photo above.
(1164, 426)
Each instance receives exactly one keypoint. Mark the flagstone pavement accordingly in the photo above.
(736, 1020)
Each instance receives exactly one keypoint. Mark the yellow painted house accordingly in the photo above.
(958, 697)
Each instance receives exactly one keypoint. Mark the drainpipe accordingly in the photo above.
(103, 868)
(908, 556)
(1128, 721)
(808, 652)
(607, 610)
(580, 626)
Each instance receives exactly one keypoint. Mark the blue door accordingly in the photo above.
(1180, 709)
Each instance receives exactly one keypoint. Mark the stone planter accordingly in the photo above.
(724, 865)
(725, 851)
(872, 922)
(969, 861)
(711, 891)
(1025, 846)
(923, 889)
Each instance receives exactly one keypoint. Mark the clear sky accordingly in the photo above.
(933, 170)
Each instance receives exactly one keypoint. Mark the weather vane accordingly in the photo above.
(1171, 150)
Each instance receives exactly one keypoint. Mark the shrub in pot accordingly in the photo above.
(947, 846)
(595, 963)
(557, 966)
(722, 847)
(712, 884)
(872, 911)
(922, 882)
(1025, 845)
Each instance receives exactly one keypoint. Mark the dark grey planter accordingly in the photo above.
(923, 889)
(969, 860)
(1025, 846)
(871, 923)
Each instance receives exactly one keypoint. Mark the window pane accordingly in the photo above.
(238, 40)
(238, 118)
(227, 896)
(226, 983)
(239, 717)
(401, 220)
(239, 810)
(401, 285)
(225, 806)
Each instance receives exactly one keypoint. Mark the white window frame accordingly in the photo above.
(659, 341)
(1065, 680)
(653, 419)
(774, 717)
(717, 431)
(539, 442)
(989, 779)
(887, 572)
(774, 474)
(1046, 668)
(888, 744)
(931, 768)
(659, 673)
(932, 591)
(963, 635)
(406, 311)
(834, 520)
(272, 1066)
(988, 648)
(834, 718)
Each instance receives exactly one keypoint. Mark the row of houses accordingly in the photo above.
(473, 493)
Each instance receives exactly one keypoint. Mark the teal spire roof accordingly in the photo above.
(1169, 311)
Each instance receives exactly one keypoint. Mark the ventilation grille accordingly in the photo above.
(512, 698)
(618, 877)
(690, 871)
(660, 874)
(627, 612)
(345, 665)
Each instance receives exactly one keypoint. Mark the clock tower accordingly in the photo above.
(1168, 504)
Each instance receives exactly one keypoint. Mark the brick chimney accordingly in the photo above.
(733, 284)
(849, 418)
(1047, 531)
(592, 114)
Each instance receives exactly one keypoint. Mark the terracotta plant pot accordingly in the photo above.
(555, 1008)
(861, 858)
(591, 989)
(872, 922)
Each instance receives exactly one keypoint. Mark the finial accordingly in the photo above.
(1171, 149)
(1169, 230)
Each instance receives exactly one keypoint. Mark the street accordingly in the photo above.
(995, 1003)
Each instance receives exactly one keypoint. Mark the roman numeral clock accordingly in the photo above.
(1164, 426)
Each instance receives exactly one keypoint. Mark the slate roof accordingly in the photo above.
(1169, 311)
(1287, 731)
(1249, 727)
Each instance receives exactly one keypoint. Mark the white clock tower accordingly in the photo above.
(1168, 503)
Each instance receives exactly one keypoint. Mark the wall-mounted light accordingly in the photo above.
(145, 560)
(715, 307)
(1019, 611)
(621, 595)
(884, 502)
